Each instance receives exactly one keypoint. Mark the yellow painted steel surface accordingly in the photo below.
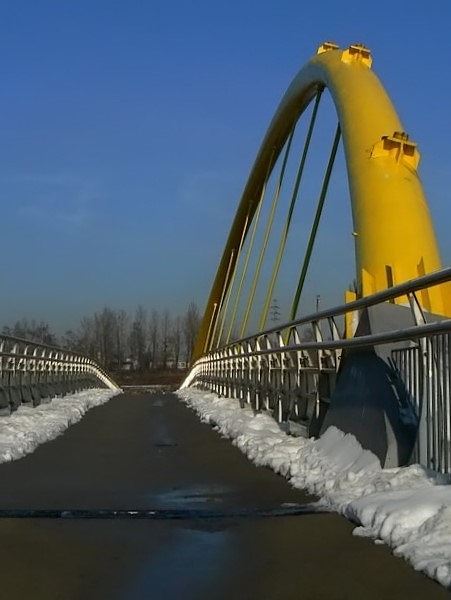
(394, 236)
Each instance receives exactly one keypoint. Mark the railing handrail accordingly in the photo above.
(374, 339)
(40, 345)
(276, 370)
(62, 356)
(401, 289)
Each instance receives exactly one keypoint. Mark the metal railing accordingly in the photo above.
(31, 373)
(281, 371)
(426, 373)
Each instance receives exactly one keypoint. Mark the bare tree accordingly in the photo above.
(154, 332)
(33, 331)
(105, 336)
(85, 338)
(70, 340)
(110, 336)
(177, 339)
(138, 337)
(122, 336)
(191, 323)
(165, 338)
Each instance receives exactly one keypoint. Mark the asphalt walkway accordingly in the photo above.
(142, 451)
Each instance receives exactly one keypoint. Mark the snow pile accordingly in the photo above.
(25, 429)
(408, 508)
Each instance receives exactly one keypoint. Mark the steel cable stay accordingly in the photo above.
(230, 288)
(217, 335)
(224, 292)
(314, 229)
(249, 248)
(294, 196)
(267, 232)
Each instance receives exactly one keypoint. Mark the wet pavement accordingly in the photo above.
(148, 451)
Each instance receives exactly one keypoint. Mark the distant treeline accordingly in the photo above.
(117, 340)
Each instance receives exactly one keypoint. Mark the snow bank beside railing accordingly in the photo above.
(28, 427)
(408, 508)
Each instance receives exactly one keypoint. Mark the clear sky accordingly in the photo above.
(128, 129)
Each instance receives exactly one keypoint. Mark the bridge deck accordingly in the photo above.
(149, 451)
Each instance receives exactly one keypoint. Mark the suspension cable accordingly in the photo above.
(231, 285)
(211, 343)
(210, 326)
(267, 232)
(294, 196)
(322, 197)
(249, 249)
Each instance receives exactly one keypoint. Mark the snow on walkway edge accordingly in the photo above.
(408, 508)
(25, 429)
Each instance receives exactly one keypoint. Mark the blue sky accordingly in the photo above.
(129, 128)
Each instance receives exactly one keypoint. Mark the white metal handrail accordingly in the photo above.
(31, 372)
(294, 378)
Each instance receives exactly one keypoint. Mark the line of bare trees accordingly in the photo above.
(148, 339)
(32, 330)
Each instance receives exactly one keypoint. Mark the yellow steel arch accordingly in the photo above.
(394, 236)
